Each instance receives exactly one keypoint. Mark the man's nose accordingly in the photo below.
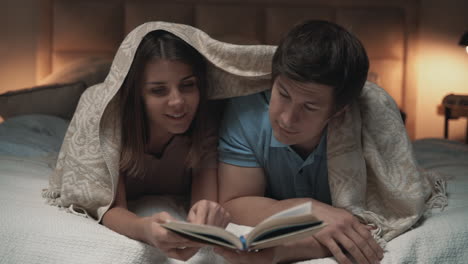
(289, 116)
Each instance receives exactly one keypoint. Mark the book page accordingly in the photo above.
(207, 233)
(238, 230)
(294, 217)
(287, 237)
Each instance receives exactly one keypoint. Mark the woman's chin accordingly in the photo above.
(179, 129)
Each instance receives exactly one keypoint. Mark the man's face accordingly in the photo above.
(300, 111)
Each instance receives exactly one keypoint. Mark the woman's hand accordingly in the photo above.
(206, 212)
(173, 245)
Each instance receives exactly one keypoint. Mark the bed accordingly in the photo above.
(36, 119)
(33, 232)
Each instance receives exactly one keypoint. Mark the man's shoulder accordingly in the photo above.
(248, 114)
(245, 106)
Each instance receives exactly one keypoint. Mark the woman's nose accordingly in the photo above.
(176, 98)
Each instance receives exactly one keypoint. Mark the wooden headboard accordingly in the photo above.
(87, 28)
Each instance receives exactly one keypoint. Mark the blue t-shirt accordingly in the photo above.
(247, 140)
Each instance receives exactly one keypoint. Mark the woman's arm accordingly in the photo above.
(122, 221)
(147, 229)
(205, 208)
(204, 185)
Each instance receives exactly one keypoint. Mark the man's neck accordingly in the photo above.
(305, 149)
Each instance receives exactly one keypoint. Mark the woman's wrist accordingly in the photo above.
(143, 229)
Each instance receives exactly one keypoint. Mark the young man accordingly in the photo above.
(273, 145)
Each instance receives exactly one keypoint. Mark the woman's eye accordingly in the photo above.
(158, 91)
(188, 86)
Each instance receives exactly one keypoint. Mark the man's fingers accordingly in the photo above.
(362, 244)
(366, 235)
(335, 250)
(352, 248)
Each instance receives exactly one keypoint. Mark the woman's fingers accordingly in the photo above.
(215, 215)
(208, 213)
(182, 253)
(200, 212)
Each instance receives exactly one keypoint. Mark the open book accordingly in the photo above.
(291, 224)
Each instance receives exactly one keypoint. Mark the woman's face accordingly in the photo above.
(170, 94)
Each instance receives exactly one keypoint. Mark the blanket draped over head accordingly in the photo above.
(371, 167)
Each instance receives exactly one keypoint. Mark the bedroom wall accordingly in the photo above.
(442, 66)
(18, 40)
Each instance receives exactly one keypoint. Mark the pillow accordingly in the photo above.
(32, 135)
(58, 100)
(88, 70)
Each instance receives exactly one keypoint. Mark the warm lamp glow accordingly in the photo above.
(464, 41)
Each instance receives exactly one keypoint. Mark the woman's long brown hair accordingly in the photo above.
(158, 45)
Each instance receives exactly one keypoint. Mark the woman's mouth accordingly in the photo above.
(176, 116)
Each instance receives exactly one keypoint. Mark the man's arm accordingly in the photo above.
(241, 193)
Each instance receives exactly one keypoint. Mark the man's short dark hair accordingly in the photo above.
(321, 52)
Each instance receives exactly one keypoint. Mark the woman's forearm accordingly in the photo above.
(205, 185)
(126, 223)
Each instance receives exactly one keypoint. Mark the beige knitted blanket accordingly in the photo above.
(372, 169)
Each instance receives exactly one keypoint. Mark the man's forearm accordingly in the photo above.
(305, 249)
(251, 210)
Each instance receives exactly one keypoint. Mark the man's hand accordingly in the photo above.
(345, 231)
(206, 212)
(173, 245)
(265, 256)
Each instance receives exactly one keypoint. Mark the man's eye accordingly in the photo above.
(284, 95)
(309, 108)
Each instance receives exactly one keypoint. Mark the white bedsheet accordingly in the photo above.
(33, 232)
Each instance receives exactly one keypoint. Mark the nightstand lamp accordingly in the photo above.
(455, 106)
(464, 41)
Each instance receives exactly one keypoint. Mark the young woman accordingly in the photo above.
(168, 142)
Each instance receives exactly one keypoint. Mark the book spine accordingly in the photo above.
(244, 242)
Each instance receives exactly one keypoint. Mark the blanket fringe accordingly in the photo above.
(52, 197)
(378, 222)
(438, 197)
(76, 210)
